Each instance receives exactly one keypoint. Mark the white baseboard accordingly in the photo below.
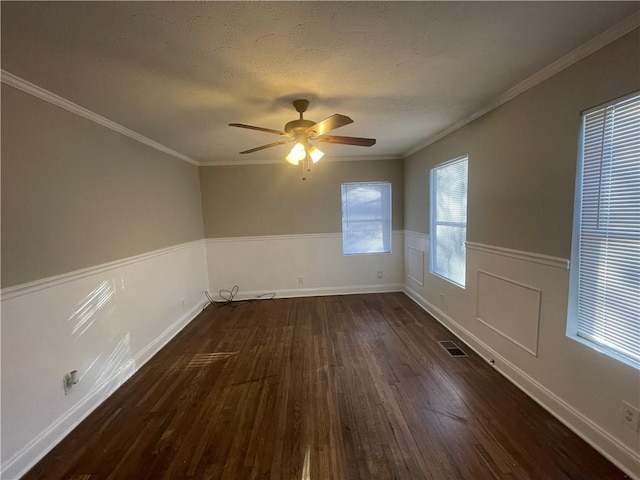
(301, 265)
(24, 459)
(582, 426)
(316, 292)
(165, 337)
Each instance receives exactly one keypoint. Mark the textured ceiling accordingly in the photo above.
(178, 73)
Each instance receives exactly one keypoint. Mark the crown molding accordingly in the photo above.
(598, 42)
(270, 161)
(586, 49)
(39, 92)
(23, 85)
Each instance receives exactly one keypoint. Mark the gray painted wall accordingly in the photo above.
(522, 163)
(522, 155)
(75, 194)
(272, 199)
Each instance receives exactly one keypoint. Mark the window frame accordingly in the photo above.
(433, 223)
(382, 219)
(572, 324)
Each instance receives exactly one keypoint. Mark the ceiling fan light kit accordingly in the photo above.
(302, 132)
(296, 154)
(315, 153)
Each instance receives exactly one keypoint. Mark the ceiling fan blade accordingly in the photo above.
(268, 145)
(360, 142)
(328, 124)
(260, 129)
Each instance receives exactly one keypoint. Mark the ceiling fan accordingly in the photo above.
(303, 132)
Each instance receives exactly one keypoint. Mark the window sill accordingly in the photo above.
(605, 351)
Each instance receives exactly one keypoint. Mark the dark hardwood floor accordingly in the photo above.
(346, 387)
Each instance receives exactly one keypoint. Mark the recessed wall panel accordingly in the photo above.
(509, 308)
(415, 265)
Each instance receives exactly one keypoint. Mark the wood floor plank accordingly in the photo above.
(324, 388)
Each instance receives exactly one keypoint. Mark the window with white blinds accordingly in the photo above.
(604, 308)
(449, 220)
(366, 218)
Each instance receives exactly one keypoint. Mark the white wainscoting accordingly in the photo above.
(509, 308)
(415, 258)
(266, 264)
(521, 300)
(414, 264)
(105, 322)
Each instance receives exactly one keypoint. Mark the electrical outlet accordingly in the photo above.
(300, 280)
(380, 273)
(442, 298)
(630, 416)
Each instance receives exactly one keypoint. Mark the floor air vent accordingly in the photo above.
(453, 349)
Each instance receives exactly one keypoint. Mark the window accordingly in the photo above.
(449, 220)
(604, 305)
(366, 218)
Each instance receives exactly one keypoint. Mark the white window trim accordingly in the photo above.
(572, 310)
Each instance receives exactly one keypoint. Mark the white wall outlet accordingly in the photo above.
(300, 280)
(380, 273)
(441, 298)
(630, 416)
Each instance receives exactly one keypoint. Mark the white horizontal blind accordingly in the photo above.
(449, 220)
(608, 290)
(366, 218)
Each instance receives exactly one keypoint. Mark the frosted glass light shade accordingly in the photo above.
(315, 154)
(296, 154)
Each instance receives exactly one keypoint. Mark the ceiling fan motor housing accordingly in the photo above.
(298, 126)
